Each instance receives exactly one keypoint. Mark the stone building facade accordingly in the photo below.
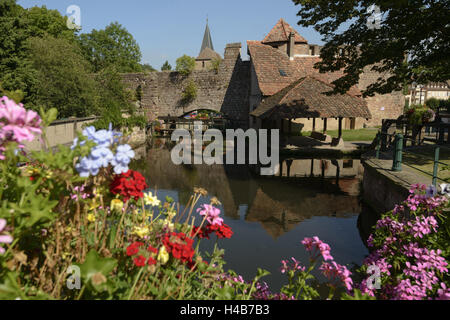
(238, 87)
(225, 91)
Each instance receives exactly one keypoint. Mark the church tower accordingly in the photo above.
(207, 53)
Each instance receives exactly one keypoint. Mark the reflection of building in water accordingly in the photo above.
(279, 203)
(281, 206)
(162, 173)
(316, 168)
(340, 170)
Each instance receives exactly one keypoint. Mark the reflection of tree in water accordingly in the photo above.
(278, 203)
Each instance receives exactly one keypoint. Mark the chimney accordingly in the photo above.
(291, 47)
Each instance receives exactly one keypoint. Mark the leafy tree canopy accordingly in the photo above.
(419, 29)
(113, 46)
(62, 78)
(185, 65)
(17, 25)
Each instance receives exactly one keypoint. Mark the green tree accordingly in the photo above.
(354, 40)
(113, 46)
(166, 66)
(185, 65)
(432, 103)
(17, 25)
(114, 101)
(63, 79)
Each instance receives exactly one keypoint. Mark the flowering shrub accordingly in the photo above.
(410, 248)
(58, 215)
(82, 210)
(418, 115)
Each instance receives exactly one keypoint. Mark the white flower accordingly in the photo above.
(151, 200)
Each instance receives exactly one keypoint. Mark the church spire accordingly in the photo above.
(207, 40)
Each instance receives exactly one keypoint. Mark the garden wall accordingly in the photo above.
(225, 91)
(65, 131)
(61, 132)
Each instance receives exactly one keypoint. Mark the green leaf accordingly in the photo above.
(357, 296)
(261, 273)
(95, 264)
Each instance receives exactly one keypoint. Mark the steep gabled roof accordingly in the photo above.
(281, 32)
(308, 98)
(207, 40)
(275, 71)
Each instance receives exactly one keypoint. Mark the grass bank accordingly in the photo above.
(367, 134)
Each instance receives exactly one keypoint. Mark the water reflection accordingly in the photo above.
(271, 215)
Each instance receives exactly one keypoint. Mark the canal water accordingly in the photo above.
(270, 216)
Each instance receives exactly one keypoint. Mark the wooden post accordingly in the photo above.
(325, 120)
(314, 124)
(340, 128)
(290, 127)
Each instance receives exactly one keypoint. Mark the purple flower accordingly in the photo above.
(4, 238)
(101, 155)
(431, 191)
(122, 158)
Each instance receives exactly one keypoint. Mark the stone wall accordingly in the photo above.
(225, 91)
(63, 132)
(383, 188)
(388, 106)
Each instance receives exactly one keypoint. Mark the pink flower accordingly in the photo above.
(211, 213)
(294, 266)
(16, 123)
(22, 124)
(336, 272)
(444, 292)
(4, 238)
(314, 245)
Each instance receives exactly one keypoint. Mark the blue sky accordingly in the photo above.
(167, 29)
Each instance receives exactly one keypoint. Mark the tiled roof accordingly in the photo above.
(208, 54)
(271, 63)
(281, 32)
(308, 98)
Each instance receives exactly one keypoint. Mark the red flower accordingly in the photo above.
(151, 261)
(201, 233)
(179, 245)
(222, 231)
(129, 185)
(152, 250)
(133, 249)
(140, 261)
